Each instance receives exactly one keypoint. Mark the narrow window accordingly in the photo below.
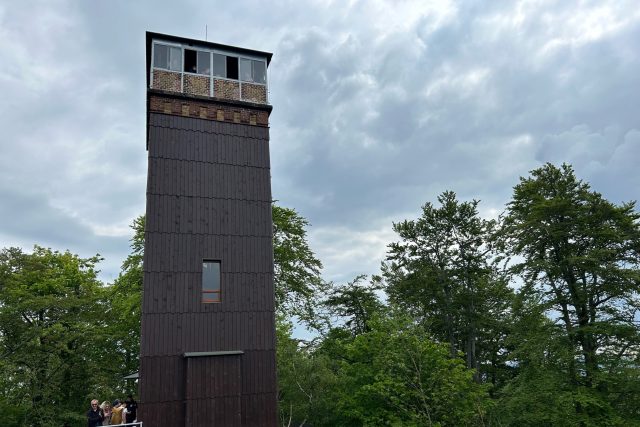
(175, 57)
(190, 60)
(204, 63)
(232, 67)
(245, 70)
(211, 291)
(160, 56)
(219, 65)
(259, 72)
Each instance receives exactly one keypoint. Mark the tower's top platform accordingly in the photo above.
(199, 68)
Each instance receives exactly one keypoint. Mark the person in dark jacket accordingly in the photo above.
(132, 409)
(94, 415)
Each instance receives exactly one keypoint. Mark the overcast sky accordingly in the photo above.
(377, 108)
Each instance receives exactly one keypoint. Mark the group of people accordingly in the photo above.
(107, 414)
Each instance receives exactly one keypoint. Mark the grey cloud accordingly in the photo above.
(28, 218)
(375, 112)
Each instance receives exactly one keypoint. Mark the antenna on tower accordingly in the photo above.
(205, 32)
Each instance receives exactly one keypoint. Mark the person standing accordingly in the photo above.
(106, 412)
(116, 412)
(132, 409)
(95, 416)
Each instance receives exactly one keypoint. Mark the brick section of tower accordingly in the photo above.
(206, 109)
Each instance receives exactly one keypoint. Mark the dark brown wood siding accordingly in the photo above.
(208, 197)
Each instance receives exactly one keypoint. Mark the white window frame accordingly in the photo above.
(153, 67)
(210, 75)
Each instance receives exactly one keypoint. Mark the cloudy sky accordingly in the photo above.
(378, 107)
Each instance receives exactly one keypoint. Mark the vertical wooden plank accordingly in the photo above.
(191, 201)
(204, 151)
(204, 179)
(193, 146)
(231, 150)
(196, 215)
(192, 331)
(193, 186)
(220, 182)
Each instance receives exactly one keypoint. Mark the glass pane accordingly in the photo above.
(160, 56)
(219, 62)
(204, 63)
(175, 58)
(211, 276)
(259, 72)
(211, 297)
(245, 70)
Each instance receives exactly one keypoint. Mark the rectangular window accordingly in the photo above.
(245, 70)
(190, 60)
(219, 65)
(204, 63)
(232, 67)
(211, 290)
(167, 57)
(196, 61)
(259, 72)
(253, 71)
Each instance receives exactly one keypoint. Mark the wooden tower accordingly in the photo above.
(207, 354)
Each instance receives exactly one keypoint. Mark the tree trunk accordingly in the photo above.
(449, 321)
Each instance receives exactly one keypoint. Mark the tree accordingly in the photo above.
(539, 393)
(125, 308)
(579, 256)
(50, 343)
(307, 380)
(394, 375)
(296, 268)
(65, 337)
(440, 273)
(356, 303)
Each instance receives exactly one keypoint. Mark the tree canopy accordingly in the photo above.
(528, 319)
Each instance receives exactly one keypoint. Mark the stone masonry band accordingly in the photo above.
(210, 111)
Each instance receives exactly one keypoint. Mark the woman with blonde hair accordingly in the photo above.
(106, 410)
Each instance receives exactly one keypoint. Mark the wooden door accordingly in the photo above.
(213, 389)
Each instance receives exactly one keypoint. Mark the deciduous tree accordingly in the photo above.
(50, 335)
(581, 254)
(579, 257)
(296, 268)
(440, 272)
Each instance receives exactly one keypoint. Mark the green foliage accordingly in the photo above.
(296, 269)
(450, 344)
(65, 337)
(394, 374)
(306, 381)
(580, 255)
(539, 394)
(51, 313)
(125, 310)
(391, 374)
(354, 303)
(440, 273)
